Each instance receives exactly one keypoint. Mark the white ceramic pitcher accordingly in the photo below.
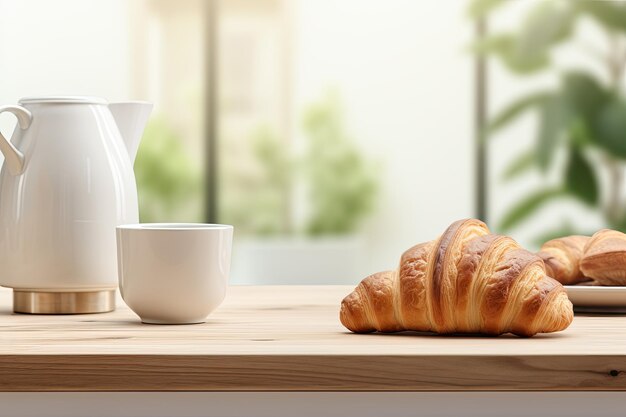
(66, 182)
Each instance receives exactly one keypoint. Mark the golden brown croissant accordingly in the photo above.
(467, 281)
(605, 258)
(562, 258)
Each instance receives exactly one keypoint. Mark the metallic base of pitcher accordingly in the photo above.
(37, 302)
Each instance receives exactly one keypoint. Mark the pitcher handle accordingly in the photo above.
(13, 158)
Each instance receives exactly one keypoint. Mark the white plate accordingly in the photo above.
(591, 299)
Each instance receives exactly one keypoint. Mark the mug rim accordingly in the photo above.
(163, 227)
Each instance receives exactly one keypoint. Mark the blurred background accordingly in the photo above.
(335, 134)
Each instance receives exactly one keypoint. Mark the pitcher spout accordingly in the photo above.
(131, 118)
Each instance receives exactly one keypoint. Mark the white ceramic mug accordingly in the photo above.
(173, 273)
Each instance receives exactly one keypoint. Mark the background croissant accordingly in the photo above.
(467, 281)
(562, 258)
(575, 259)
(604, 259)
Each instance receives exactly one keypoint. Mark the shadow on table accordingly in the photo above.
(556, 335)
(139, 323)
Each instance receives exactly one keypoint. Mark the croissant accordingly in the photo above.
(562, 258)
(467, 281)
(604, 259)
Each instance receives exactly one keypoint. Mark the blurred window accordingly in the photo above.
(342, 128)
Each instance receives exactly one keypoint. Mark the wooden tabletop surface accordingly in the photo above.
(290, 338)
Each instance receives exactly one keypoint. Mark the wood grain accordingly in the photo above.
(290, 338)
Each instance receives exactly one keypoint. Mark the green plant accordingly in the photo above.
(256, 190)
(342, 183)
(169, 186)
(261, 178)
(583, 118)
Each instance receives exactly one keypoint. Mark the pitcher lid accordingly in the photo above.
(63, 99)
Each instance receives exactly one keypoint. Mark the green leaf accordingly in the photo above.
(515, 109)
(481, 8)
(524, 208)
(579, 133)
(611, 14)
(520, 164)
(610, 128)
(547, 24)
(584, 95)
(553, 120)
(504, 46)
(580, 178)
(619, 225)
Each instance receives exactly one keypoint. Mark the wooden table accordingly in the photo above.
(283, 339)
